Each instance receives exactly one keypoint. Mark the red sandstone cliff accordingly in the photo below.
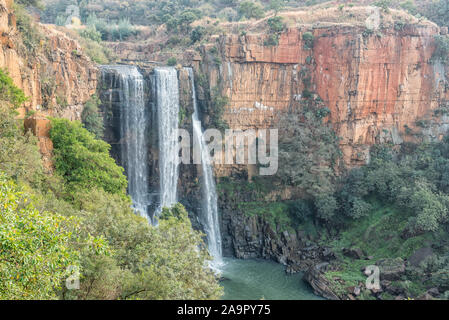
(377, 86)
(58, 75)
(58, 79)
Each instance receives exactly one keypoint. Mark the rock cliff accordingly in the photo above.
(58, 79)
(377, 85)
(56, 76)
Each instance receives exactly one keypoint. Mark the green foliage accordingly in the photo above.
(308, 151)
(197, 34)
(326, 206)
(250, 10)
(19, 154)
(99, 29)
(171, 61)
(431, 207)
(83, 161)
(34, 247)
(308, 39)
(91, 118)
(91, 33)
(9, 92)
(437, 11)
(277, 5)
(276, 27)
(409, 6)
(442, 49)
(31, 35)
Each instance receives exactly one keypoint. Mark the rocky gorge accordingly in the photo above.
(381, 85)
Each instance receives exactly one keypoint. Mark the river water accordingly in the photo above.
(262, 279)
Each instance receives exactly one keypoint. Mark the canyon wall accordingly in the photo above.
(55, 75)
(376, 85)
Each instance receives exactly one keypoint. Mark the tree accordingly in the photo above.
(277, 5)
(197, 34)
(431, 207)
(164, 262)
(9, 92)
(35, 248)
(83, 161)
(250, 10)
(437, 11)
(308, 151)
(276, 24)
(326, 206)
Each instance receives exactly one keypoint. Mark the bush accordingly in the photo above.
(326, 206)
(171, 61)
(301, 209)
(276, 24)
(83, 161)
(431, 207)
(308, 39)
(35, 247)
(197, 34)
(9, 92)
(250, 10)
(30, 33)
(91, 33)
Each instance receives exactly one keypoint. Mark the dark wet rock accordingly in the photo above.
(354, 253)
(321, 286)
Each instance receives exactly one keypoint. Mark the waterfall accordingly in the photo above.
(133, 133)
(166, 90)
(210, 214)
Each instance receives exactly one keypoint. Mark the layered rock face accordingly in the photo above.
(377, 86)
(58, 78)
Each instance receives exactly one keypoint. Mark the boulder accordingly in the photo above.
(354, 253)
(434, 292)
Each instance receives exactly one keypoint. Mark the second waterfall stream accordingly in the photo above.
(210, 209)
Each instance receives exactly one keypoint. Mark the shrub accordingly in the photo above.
(326, 206)
(250, 10)
(431, 207)
(35, 247)
(91, 33)
(9, 92)
(276, 24)
(83, 161)
(308, 39)
(197, 34)
(31, 35)
(301, 209)
(171, 61)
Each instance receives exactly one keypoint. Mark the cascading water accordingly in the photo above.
(166, 90)
(133, 133)
(210, 214)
